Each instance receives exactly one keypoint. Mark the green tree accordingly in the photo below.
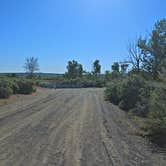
(80, 70)
(74, 69)
(31, 65)
(115, 67)
(115, 70)
(96, 68)
(154, 49)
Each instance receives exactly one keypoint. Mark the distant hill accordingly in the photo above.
(38, 74)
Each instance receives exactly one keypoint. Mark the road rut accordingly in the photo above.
(70, 127)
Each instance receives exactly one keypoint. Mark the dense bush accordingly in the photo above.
(157, 104)
(25, 87)
(5, 89)
(144, 99)
(155, 130)
(5, 92)
(92, 83)
(156, 126)
(113, 93)
(125, 92)
(130, 90)
(11, 83)
(9, 86)
(140, 109)
(77, 82)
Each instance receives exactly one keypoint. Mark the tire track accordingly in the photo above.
(70, 127)
(37, 132)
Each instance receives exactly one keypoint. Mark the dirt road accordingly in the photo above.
(70, 127)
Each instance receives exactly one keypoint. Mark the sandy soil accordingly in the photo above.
(70, 127)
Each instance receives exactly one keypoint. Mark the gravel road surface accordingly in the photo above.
(70, 127)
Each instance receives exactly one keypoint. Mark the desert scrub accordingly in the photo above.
(156, 125)
(10, 86)
(5, 92)
(126, 92)
(113, 93)
(25, 87)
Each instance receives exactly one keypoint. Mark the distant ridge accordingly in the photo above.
(38, 74)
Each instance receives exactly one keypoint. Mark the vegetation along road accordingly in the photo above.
(70, 127)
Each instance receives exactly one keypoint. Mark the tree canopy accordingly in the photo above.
(96, 68)
(74, 69)
(154, 49)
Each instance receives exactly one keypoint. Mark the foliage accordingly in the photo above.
(5, 92)
(154, 49)
(157, 104)
(144, 99)
(155, 130)
(156, 124)
(130, 91)
(96, 68)
(113, 93)
(25, 87)
(83, 82)
(74, 69)
(9, 86)
(115, 67)
(125, 92)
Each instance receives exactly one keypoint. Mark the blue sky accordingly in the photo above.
(56, 31)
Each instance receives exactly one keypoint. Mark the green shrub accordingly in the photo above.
(130, 91)
(5, 88)
(157, 114)
(5, 92)
(157, 104)
(155, 125)
(11, 83)
(5, 83)
(91, 83)
(25, 87)
(140, 109)
(142, 106)
(125, 92)
(156, 131)
(80, 82)
(10, 86)
(112, 93)
(15, 87)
